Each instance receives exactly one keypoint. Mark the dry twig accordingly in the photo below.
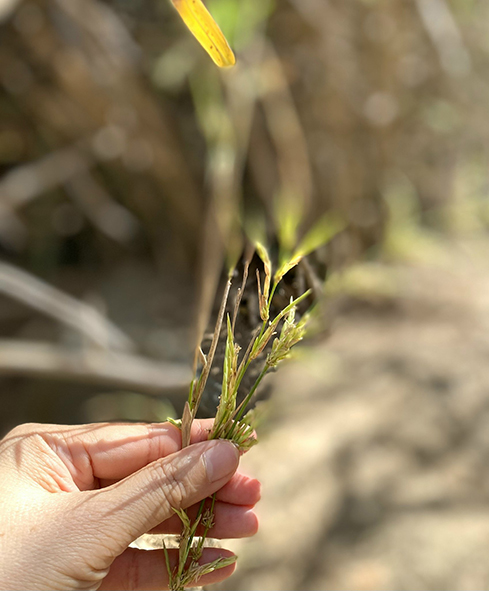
(26, 358)
(51, 301)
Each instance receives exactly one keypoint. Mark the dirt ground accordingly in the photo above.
(375, 461)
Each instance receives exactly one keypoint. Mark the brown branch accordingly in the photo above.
(26, 358)
(81, 317)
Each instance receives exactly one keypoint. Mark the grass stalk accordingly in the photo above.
(230, 420)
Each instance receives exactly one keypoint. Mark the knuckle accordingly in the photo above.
(25, 429)
(22, 435)
(174, 489)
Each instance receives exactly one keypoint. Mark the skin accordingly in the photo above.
(72, 499)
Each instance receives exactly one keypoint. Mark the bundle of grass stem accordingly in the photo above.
(234, 421)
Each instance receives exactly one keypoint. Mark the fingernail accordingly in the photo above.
(221, 460)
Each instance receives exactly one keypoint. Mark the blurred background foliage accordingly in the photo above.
(131, 168)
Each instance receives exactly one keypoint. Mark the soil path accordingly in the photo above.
(375, 463)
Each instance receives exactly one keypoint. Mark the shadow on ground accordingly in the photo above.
(375, 463)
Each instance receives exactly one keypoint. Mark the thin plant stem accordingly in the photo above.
(272, 293)
(247, 359)
(229, 423)
(242, 407)
(212, 350)
(242, 288)
(168, 566)
(207, 526)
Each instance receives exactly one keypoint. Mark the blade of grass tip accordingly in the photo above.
(212, 350)
(207, 32)
(267, 264)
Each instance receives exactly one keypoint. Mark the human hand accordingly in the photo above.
(72, 498)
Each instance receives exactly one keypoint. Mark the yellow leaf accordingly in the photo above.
(207, 32)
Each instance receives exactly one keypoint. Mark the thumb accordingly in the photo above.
(117, 515)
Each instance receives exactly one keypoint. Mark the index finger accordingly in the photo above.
(98, 454)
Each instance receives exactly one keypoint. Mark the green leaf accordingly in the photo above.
(321, 233)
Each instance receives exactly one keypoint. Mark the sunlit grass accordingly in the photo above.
(207, 32)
